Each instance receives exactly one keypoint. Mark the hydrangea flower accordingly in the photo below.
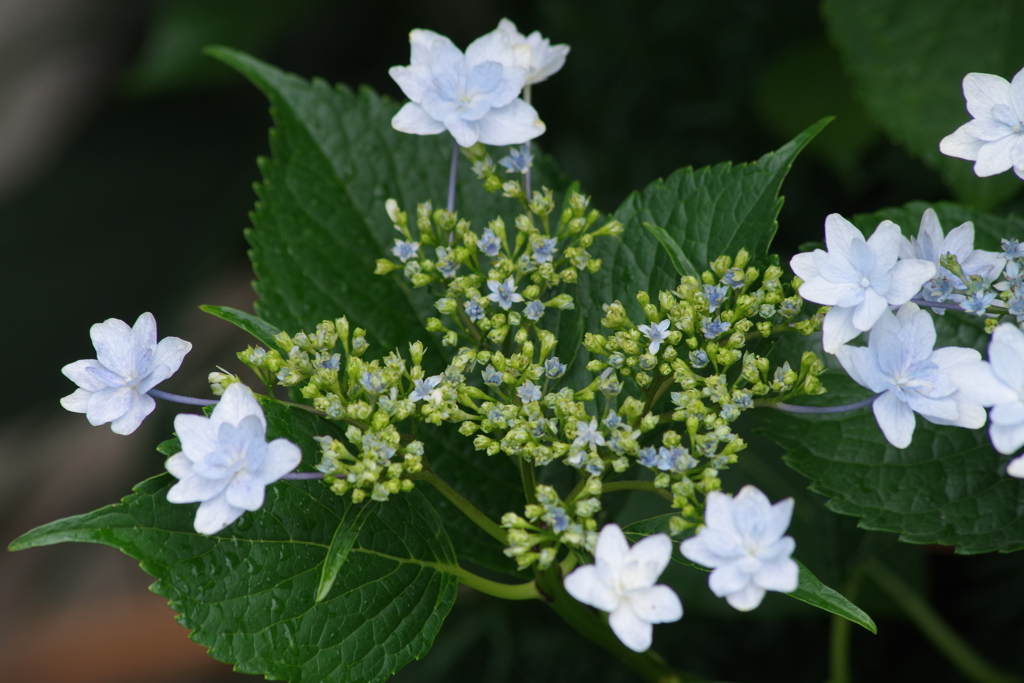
(129, 362)
(858, 278)
(588, 434)
(474, 311)
(621, 582)
(657, 333)
(999, 383)
(554, 368)
(534, 310)
(994, 139)
(489, 243)
(519, 159)
(544, 249)
(931, 245)
(225, 462)
(742, 541)
(545, 59)
(405, 250)
(528, 392)
(504, 293)
(423, 388)
(899, 362)
(474, 96)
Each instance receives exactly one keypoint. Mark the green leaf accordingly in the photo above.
(169, 447)
(675, 254)
(341, 545)
(320, 224)
(815, 593)
(248, 592)
(257, 327)
(706, 212)
(908, 60)
(810, 590)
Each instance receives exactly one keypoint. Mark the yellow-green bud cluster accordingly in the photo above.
(550, 522)
(378, 467)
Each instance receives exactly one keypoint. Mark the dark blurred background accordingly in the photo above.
(126, 166)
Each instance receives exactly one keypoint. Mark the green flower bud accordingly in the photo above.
(385, 266)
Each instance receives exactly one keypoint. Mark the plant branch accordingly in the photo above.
(467, 508)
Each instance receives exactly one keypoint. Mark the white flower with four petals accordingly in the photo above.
(129, 362)
(621, 582)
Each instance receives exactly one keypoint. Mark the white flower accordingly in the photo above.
(999, 382)
(899, 362)
(994, 140)
(504, 293)
(931, 245)
(225, 462)
(656, 333)
(474, 96)
(545, 59)
(129, 362)
(588, 434)
(743, 542)
(859, 279)
(621, 582)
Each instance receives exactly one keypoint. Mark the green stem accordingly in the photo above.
(839, 638)
(632, 485)
(648, 664)
(529, 481)
(505, 591)
(467, 508)
(944, 638)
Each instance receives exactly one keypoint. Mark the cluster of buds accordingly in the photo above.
(379, 467)
(499, 282)
(550, 522)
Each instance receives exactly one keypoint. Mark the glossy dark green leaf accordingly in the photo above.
(257, 327)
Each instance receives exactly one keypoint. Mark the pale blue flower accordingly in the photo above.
(715, 295)
(588, 434)
(612, 420)
(714, 328)
(559, 520)
(553, 368)
(129, 362)
(528, 392)
(544, 249)
(1012, 248)
(534, 310)
(474, 95)
(405, 250)
(994, 139)
(519, 159)
(742, 541)
(858, 278)
(931, 245)
(977, 302)
(445, 264)
(698, 359)
(474, 311)
(423, 388)
(648, 457)
(489, 243)
(373, 382)
(225, 463)
(657, 333)
(899, 363)
(734, 278)
(621, 582)
(503, 293)
(492, 377)
(609, 383)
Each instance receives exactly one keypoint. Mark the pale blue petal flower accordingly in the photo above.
(129, 362)
(225, 463)
(504, 293)
(994, 140)
(656, 333)
(742, 541)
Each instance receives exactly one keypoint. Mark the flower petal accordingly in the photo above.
(634, 632)
(77, 402)
(215, 515)
(585, 584)
(782, 576)
(198, 435)
(107, 405)
(112, 339)
(1007, 439)
(656, 605)
(837, 328)
(141, 406)
(961, 144)
(995, 157)
(895, 418)
(179, 466)
(612, 546)
(645, 562)
(194, 488)
(282, 456)
(984, 91)
(908, 276)
(235, 405)
(1016, 467)
(246, 492)
(1006, 354)
(412, 118)
(82, 373)
(729, 578)
(512, 124)
(747, 599)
